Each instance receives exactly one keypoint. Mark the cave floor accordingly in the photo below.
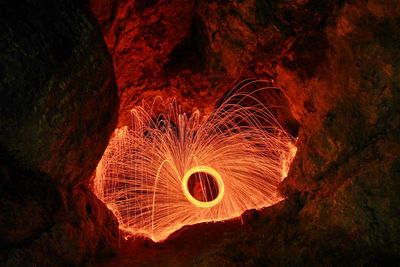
(190, 245)
(180, 249)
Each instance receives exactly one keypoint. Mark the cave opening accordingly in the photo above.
(171, 169)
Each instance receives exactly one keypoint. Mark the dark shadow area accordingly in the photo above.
(191, 53)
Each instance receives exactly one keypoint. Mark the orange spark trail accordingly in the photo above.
(145, 172)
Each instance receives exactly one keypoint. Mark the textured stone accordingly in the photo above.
(58, 108)
(140, 36)
(212, 49)
(57, 89)
(46, 225)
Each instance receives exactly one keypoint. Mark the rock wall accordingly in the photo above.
(191, 51)
(347, 168)
(58, 107)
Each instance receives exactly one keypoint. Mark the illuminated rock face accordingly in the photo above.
(215, 46)
(58, 107)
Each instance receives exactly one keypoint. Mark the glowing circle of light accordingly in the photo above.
(144, 173)
(215, 175)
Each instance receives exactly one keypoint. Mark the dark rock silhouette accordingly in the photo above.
(58, 107)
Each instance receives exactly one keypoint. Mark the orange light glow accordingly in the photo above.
(144, 174)
(215, 175)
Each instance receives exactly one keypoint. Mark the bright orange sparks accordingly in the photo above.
(144, 174)
(213, 173)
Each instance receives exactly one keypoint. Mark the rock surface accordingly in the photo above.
(57, 89)
(191, 51)
(58, 107)
(337, 63)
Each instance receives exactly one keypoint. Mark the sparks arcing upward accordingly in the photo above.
(144, 173)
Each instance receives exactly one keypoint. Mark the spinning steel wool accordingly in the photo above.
(168, 170)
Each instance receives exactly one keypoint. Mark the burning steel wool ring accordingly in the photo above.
(215, 175)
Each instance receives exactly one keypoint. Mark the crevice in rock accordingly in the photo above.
(190, 53)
